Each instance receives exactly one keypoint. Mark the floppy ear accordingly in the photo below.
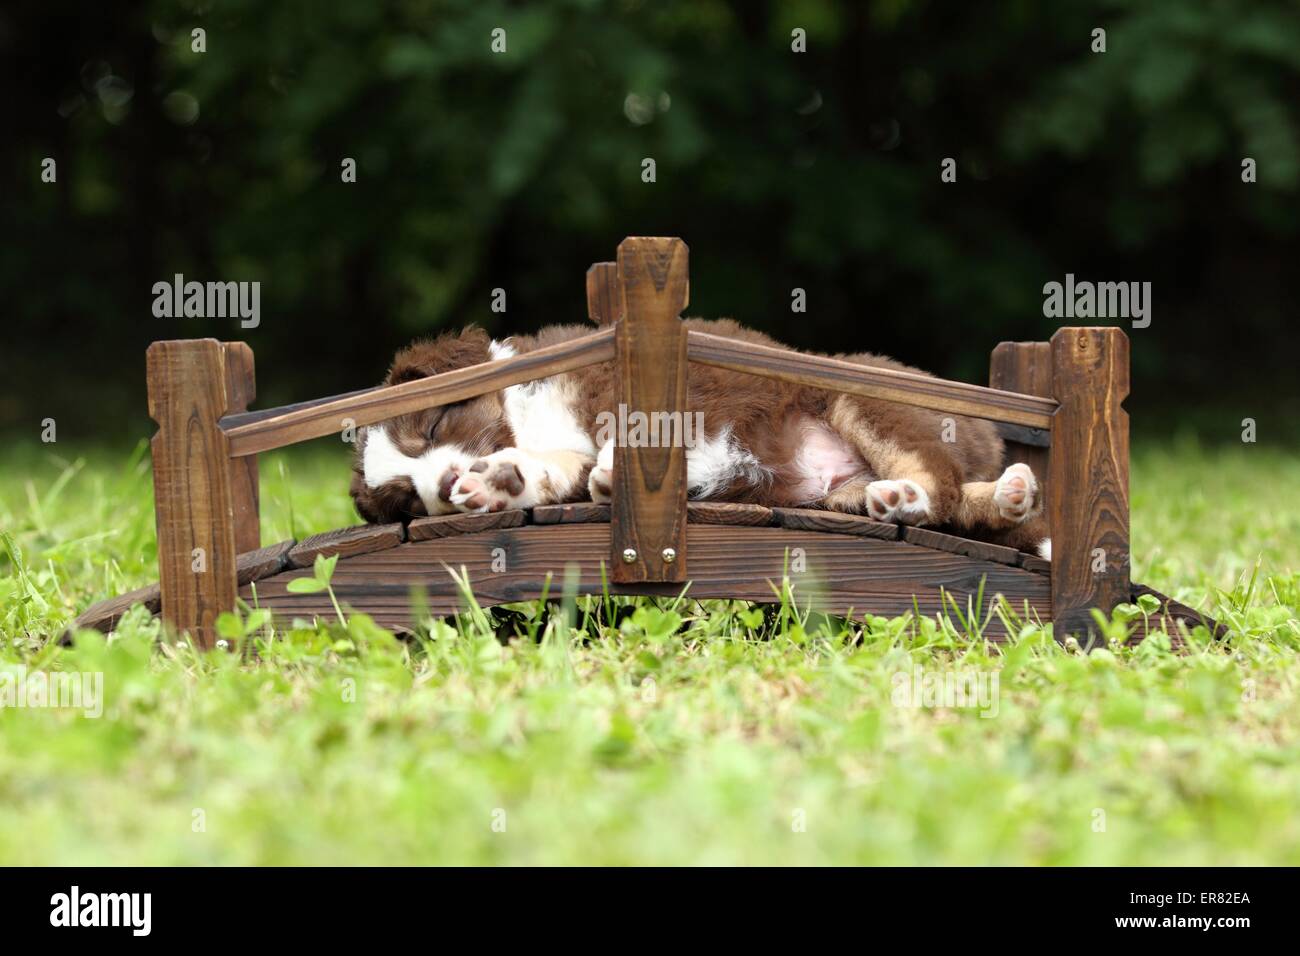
(394, 500)
(448, 351)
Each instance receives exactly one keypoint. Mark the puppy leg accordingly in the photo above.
(899, 500)
(997, 505)
(518, 478)
(850, 497)
(914, 480)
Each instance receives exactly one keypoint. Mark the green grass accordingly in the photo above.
(687, 733)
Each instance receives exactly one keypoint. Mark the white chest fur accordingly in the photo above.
(543, 416)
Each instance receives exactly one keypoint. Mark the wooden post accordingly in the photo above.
(241, 389)
(648, 507)
(1024, 367)
(192, 486)
(604, 295)
(1087, 510)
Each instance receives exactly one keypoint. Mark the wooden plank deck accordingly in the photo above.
(832, 572)
(836, 563)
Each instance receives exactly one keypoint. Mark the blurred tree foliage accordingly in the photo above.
(478, 170)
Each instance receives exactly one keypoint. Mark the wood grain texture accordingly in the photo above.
(194, 504)
(442, 526)
(604, 295)
(241, 390)
(1142, 629)
(104, 615)
(1024, 367)
(1088, 467)
(929, 538)
(577, 512)
(240, 419)
(1032, 562)
(262, 431)
(263, 562)
(908, 388)
(843, 572)
(359, 539)
(725, 512)
(811, 519)
(1172, 613)
(648, 507)
(1023, 434)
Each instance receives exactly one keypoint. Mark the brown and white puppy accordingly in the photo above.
(764, 442)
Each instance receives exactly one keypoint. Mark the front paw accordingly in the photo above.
(494, 483)
(445, 485)
(900, 502)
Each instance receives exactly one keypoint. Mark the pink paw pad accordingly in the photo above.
(902, 501)
(1016, 493)
(488, 486)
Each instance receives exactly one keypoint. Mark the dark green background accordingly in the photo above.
(818, 170)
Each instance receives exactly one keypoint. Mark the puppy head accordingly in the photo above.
(405, 467)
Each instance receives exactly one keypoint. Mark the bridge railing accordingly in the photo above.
(205, 472)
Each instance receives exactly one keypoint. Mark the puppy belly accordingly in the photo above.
(821, 463)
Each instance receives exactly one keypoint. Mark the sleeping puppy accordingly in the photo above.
(763, 442)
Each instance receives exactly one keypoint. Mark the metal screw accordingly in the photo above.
(629, 555)
(669, 555)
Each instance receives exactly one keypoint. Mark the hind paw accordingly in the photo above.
(902, 501)
(1016, 493)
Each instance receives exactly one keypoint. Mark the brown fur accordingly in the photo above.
(769, 418)
(478, 423)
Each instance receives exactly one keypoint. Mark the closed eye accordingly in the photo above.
(437, 416)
